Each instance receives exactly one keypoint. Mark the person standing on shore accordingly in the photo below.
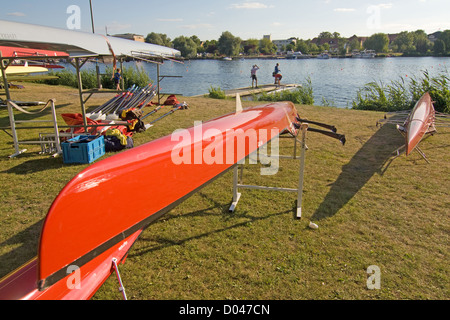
(277, 74)
(117, 77)
(253, 75)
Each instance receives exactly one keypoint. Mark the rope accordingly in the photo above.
(29, 112)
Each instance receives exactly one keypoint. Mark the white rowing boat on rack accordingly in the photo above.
(76, 43)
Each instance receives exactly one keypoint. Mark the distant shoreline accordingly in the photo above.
(347, 56)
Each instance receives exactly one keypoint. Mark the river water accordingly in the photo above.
(336, 80)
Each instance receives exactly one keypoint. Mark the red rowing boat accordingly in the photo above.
(100, 213)
(419, 122)
(28, 53)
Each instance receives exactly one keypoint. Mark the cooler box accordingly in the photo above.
(83, 149)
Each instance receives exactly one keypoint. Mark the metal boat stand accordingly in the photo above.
(115, 268)
(238, 174)
(55, 146)
(402, 149)
(52, 141)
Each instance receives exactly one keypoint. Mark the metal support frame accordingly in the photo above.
(115, 267)
(4, 63)
(402, 149)
(80, 90)
(160, 78)
(56, 139)
(238, 176)
(78, 64)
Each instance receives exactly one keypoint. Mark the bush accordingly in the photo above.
(379, 97)
(438, 88)
(397, 96)
(89, 78)
(301, 95)
(217, 93)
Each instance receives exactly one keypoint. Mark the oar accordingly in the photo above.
(108, 103)
(324, 125)
(138, 99)
(335, 135)
(127, 97)
(147, 100)
(175, 108)
(152, 112)
(108, 107)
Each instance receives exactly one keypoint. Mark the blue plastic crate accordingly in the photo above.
(83, 149)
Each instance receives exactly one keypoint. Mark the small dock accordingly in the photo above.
(247, 92)
(267, 88)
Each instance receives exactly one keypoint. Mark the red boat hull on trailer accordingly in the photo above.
(419, 122)
(26, 52)
(102, 211)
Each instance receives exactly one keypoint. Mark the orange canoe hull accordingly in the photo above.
(101, 212)
(419, 122)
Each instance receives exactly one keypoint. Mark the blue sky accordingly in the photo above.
(207, 19)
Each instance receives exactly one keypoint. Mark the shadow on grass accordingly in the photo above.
(35, 165)
(25, 245)
(162, 242)
(374, 157)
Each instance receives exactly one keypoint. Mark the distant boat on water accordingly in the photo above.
(227, 59)
(365, 54)
(324, 55)
(297, 55)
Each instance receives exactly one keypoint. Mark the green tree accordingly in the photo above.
(313, 48)
(211, 46)
(228, 44)
(290, 47)
(186, 46)
(445, 36)
(303, 47)
(267, 47)
(439, 47)
(354, 44)
(404, 42)
(325, 35)
(421, 41)
(325, 47)
(251, 46)
(159, 39)
(196, 40)
(378, 42)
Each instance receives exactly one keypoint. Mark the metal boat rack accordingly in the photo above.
(49, 142)
(238, 173)
(4, 63)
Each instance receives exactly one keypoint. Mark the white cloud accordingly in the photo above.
(16, 14)
(117, 27)
(170, 20)
(250, 5)
(384, 5)
(344, 10)
(198, 26)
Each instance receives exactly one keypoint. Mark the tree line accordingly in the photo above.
(415, 43)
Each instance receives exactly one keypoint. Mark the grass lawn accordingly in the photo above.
(370, 211)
